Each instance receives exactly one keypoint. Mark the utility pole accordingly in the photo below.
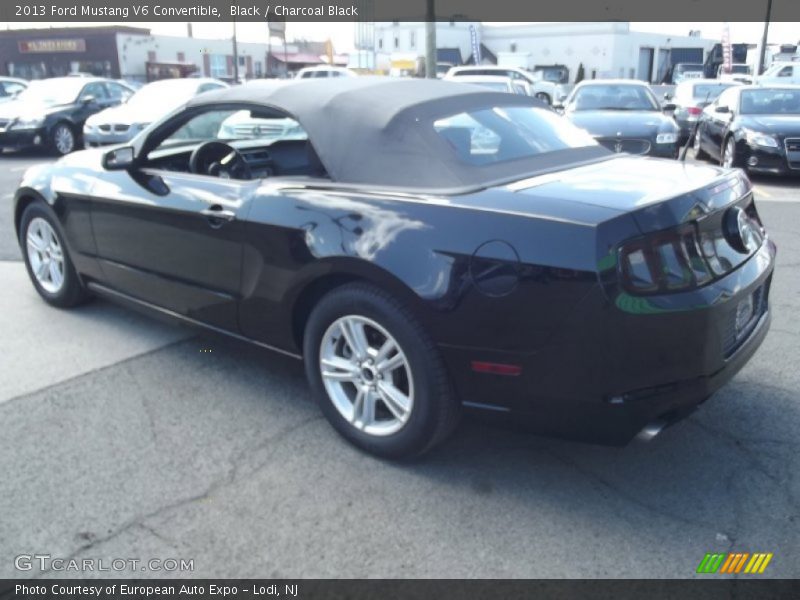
(762, 55)
(235, 56)
(430, 40)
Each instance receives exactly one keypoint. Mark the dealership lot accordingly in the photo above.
(128, 438)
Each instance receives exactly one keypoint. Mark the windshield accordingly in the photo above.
(771, 102)
(740, 69)
(683, 68)
(613, 97)
(52, 91)
(502, 134)
(710, 91)
(163, 93)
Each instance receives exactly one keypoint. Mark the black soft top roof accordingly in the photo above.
(377, 130)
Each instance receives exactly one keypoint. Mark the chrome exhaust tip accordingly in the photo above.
(651, 430)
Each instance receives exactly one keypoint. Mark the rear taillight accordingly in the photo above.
(664, 262)
(694, 111)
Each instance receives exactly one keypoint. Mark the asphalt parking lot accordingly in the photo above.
(125, 437)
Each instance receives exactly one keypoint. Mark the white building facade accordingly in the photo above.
(605, 50)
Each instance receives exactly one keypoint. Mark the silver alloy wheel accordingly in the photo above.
(64, 139)
(730, 151)
(366, 375)
(45, 255)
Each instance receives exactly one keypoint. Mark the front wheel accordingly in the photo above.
(729, 159)
(379, 379)
(46, 258)
(63, 139)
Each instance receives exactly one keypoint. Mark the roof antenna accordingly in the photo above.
(694, 130)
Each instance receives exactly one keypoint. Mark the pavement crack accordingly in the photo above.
(230, 477)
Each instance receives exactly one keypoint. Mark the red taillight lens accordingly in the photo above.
(667, 261)
(694, 111)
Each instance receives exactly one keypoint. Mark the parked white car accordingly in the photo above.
(547, 91)
(324, 71)
(121, 123)
(740, 72)
(780, 73)
(498, 83)
(10, 87)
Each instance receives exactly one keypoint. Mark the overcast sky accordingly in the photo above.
(341, 34)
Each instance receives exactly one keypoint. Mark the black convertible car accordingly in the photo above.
(752, 127)
(427, 247)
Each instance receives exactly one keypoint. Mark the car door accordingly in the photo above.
(716, 124)
(173, 239)
(93, 98)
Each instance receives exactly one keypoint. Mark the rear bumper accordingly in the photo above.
(613, 370)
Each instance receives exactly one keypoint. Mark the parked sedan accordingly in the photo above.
(753, 127)
(690, 98)
(624, 116)
(121, 123)
(546, 91)
(541, 277)
(50, 113)
(10, 87)
(498, 83)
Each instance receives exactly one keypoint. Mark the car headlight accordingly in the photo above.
(666, 138)
(29, 123)
(139, 126)
(760, 139)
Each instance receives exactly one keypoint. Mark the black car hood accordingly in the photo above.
(785, 125)
(621, 123)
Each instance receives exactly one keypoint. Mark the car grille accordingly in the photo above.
(731, 342)
(118, 128)
(629, 146)
(121, 128)
(792, 152)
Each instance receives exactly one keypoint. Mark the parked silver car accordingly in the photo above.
(122, 123)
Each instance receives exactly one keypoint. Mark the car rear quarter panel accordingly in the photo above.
(533, 265)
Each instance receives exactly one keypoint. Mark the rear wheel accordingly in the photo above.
(379, 379)
(699, 153)
(47, 259)
(543, 97)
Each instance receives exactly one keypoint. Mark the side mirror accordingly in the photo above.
(669, 107)
(722, 109)
(88, 99)
(118, 158)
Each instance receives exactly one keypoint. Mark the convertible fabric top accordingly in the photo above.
(378, 130)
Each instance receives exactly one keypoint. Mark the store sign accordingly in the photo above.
(65, 45)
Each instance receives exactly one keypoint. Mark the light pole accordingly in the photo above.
(762, 55)
(235, 56)
(430, 40)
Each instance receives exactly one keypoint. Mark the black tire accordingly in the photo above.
(736, 161)
(699, 153)
(71, 292)
(435, 410)
(68, 132)
(544, 98)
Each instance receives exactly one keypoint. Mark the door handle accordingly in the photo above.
(216, 214)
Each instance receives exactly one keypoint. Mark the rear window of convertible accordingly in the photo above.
(501, 134)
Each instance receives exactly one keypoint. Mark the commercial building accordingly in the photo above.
(135, 54)
(604, 49)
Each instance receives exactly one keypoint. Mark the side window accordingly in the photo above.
(11, 88)
(207, 87)
(202, 127)
(785, 72)
(96, 90)
(727, 98)
(118, 92)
